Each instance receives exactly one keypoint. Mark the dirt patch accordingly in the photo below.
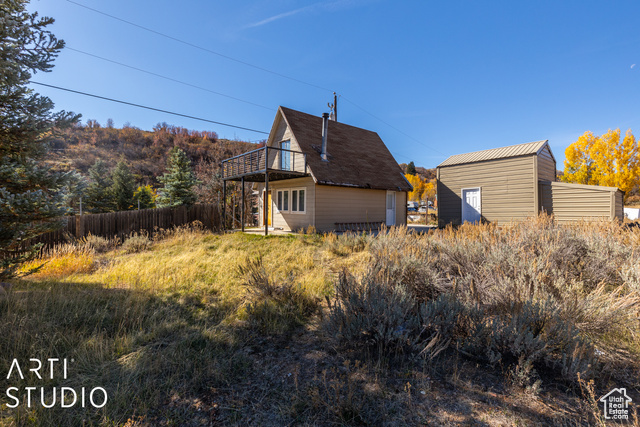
(303, 381)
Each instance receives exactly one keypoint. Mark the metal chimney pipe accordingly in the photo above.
(325, 129)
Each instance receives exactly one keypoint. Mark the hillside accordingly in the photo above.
(78, 148)
(424, 173)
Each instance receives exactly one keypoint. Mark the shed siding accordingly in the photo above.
(546, 165)
(401, 208)
(344, 204)
(507, 189)
(619, 205)
(570, 202)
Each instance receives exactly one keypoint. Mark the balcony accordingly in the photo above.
(254, 165)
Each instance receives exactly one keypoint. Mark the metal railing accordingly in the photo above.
(258, 161)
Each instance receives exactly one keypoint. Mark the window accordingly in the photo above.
(283, 200)
(285, 156)
(301, 200)
(292, 200)
(298, 200)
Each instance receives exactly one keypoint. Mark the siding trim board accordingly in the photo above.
(536, 203)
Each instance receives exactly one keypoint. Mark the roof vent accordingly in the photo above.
(325, 129)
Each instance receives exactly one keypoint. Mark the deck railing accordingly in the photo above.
(258, 161)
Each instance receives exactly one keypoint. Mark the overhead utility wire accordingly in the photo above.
(202, 48)
(149, 108)
(249, 65)
(168, 78)
(238, 99)
(391, 126)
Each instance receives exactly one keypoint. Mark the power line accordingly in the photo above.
(237, 61)
(391, 126)
(168, 78)
(149, 108)
(202, 48)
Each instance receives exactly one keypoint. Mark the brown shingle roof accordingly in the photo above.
(495, 153)
(357, 157)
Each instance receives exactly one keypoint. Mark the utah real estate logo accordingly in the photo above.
(616, 404)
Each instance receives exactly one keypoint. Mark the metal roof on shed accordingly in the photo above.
(496, 153)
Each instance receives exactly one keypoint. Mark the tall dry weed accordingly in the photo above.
(536, 294)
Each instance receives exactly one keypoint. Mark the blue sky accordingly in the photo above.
(431, 78)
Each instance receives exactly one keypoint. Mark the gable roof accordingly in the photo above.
(357, 157)
(498, 153)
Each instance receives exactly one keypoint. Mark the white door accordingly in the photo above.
(391, 208)
(471, 205)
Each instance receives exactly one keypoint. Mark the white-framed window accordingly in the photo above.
(298, 200)
(292, 200)
(283, 200)
(285, 155)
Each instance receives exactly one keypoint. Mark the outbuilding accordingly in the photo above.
(513, 183)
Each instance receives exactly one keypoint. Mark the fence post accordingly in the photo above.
(242, 210)
(79, 226)
(224, 203)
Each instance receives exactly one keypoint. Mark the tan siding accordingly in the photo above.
(536, 193)
(283, 133)
(289, 220)
(507, 189)
(344, 204)
(619, 205)
(511, 151)
(546, 165)
(569, 202)
(401, 208)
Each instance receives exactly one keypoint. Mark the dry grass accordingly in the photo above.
(474, 325)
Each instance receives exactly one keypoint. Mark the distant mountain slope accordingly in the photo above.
(427, 174)
(145, 151)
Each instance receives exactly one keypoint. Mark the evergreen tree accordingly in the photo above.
(74, 190)
(178, 181)
(411, 169)
(98, 194)
(31, 195)
(122, 187)
(146, 196)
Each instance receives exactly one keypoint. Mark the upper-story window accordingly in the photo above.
(285, 156)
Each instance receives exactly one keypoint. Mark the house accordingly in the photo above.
(513, 183)
(318, 172)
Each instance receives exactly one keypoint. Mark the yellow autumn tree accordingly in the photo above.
(422, 189)
(604, 160)
(429, 192)
(418, 187)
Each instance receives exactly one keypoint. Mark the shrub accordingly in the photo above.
(346, 243)
(136, 243)
(533, 296)
(373, 312)
(97, 244)
(274, 307)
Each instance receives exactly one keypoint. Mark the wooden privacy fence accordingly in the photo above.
(120, 224)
